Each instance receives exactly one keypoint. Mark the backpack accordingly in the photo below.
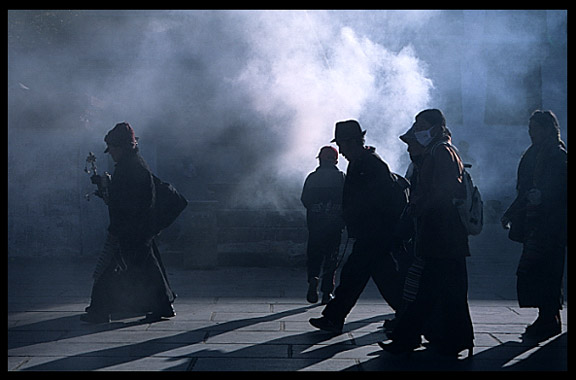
(168, 205)
(471, 207)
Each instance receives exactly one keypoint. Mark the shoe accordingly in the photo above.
(450, 352)
(327, 297)
(396, 348)
(156, 316)
(312, 295)
(325, 324)
(543, 330)
(95, 318)
(388, 327)
(535, 326)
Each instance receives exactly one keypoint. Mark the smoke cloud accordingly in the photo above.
(243, 100)
(323, 72)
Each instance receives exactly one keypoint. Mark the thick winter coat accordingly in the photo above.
(322, 197)
(142, 285)
(368, 208)
(440, 232)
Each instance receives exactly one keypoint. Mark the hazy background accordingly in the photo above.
(234, 105)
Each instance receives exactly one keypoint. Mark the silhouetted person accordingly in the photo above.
(538, 219)
(322, 197)
(130, 276)
(370, 214)
(435, 294)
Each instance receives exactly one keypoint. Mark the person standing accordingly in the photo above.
(370, 210)
(538, 219)
(130, 276)
(322, 197)
(435, 295)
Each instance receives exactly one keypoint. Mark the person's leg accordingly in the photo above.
(409, 325)
(387, 278)
(353, 279)
(548, 276)
(331, 253)
(314, 256)
(102, 298)
(449, 328)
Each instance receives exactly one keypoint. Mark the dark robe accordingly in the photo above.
(134, 280)
(541, 228)
(435, 300)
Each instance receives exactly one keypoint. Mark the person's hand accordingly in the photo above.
(505, 221)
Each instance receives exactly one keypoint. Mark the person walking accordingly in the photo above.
(130, 276)
(435, 293)
(371, 210)
(322, 198)
(538, 219)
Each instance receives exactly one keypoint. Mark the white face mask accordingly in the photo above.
(423, 137)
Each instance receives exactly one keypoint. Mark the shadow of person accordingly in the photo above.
(69, 326)
(300, 349)
(291, 352)
(521, 355)
(549, 355)
(117, 355)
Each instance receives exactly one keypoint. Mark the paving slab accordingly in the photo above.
(248, 319)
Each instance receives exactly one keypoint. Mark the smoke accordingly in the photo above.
(243, 100)
(321, 73)
(251, 96)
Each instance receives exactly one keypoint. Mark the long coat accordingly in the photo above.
(543, 167)
(542, 228)
(142, 285)
(439, 230)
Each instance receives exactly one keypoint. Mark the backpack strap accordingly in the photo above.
(448, 144)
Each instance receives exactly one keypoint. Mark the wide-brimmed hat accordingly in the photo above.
(348, 130)
(121, 135)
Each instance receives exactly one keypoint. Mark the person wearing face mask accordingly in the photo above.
(435, 301)
(538, 219)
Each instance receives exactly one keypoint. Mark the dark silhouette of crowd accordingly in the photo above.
(406, 232)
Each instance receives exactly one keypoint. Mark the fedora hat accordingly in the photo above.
(348, 130)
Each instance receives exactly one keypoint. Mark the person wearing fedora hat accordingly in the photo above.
(370, 214)
(130, 276)
(348, 130)
(322, 197)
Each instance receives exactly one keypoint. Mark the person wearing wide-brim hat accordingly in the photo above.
(435, 294)
(370, 216)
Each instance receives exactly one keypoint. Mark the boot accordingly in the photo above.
(545, 327)
(312, 295)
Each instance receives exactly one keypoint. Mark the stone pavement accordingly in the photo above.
(250, 319)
